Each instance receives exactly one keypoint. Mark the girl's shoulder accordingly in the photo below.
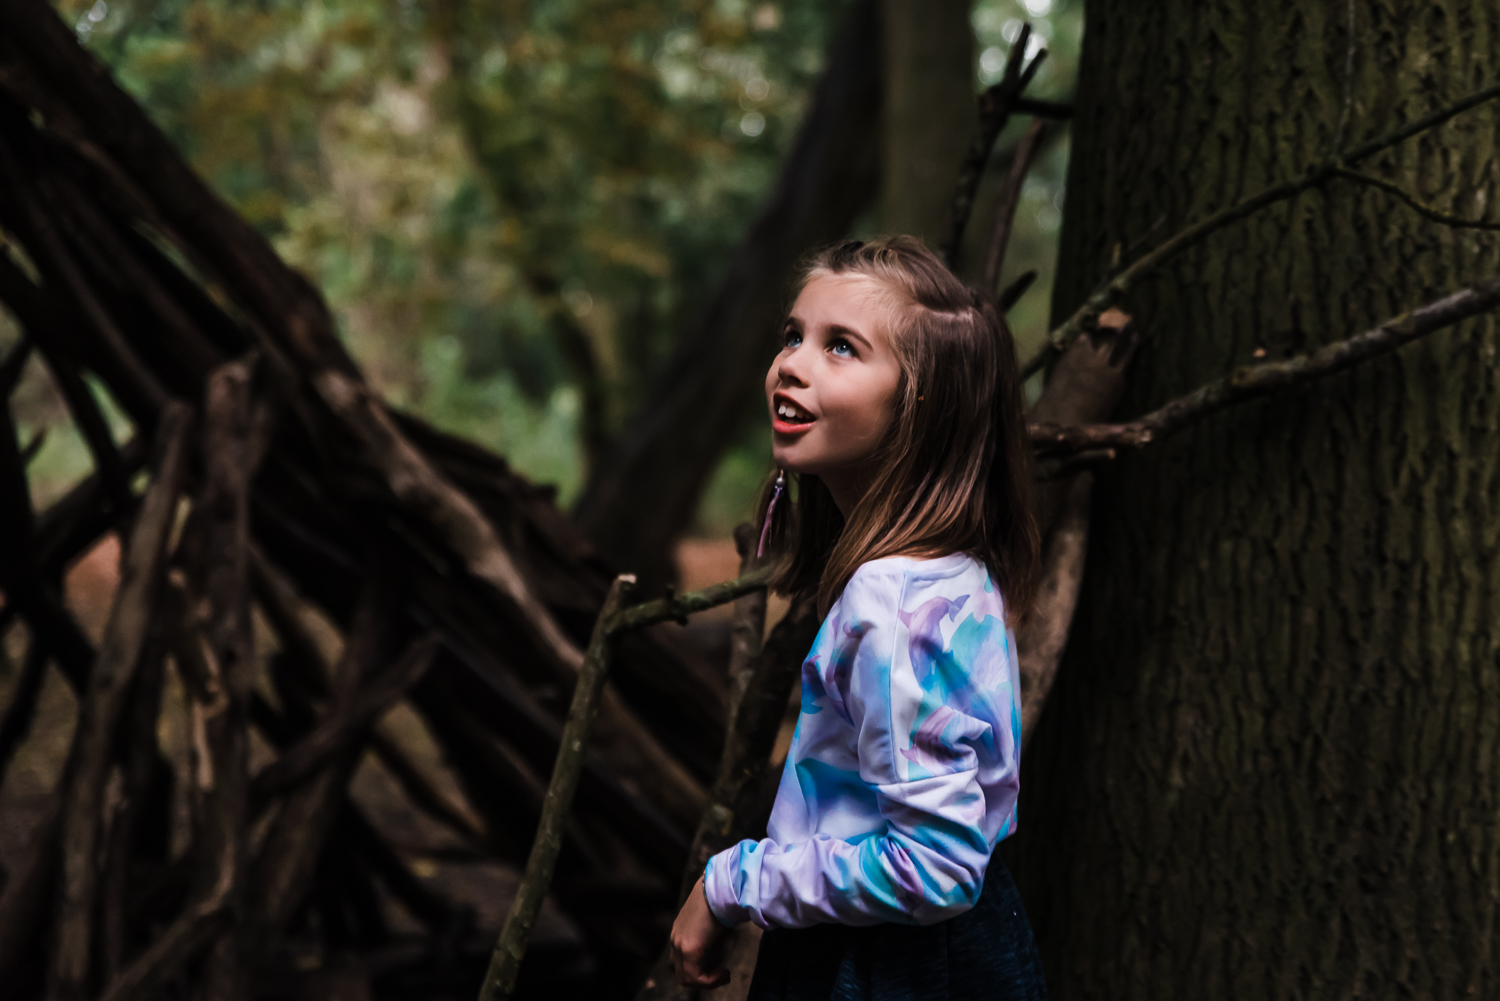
(897, 580)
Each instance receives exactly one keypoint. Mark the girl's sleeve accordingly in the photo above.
(929, 862)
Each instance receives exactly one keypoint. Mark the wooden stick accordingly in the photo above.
(995, 107)
(510, 948)
(221, 723)
(1252, 381)
(281, 875)
(104, 703)
(140, 761)
(1111, 291)
(338, 730)
(1010, 199)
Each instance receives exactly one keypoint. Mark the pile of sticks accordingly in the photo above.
(279, 489)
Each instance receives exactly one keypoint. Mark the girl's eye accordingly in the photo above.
(842, 348)
(792, 338)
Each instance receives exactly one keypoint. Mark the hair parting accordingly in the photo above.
(954, 469)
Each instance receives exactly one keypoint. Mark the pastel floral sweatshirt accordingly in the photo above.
(903, 771)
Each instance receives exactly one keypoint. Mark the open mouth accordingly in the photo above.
(788, 416)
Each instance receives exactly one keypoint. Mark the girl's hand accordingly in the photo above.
(698, 943)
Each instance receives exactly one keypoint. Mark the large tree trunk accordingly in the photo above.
(1268, 767)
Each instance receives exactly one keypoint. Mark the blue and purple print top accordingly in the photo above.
(904, 768)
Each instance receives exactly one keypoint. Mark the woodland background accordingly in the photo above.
(562, 232)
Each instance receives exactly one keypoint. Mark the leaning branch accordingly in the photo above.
(1422, 208)
(1113, 290)
(1252, 381)
(510, 949)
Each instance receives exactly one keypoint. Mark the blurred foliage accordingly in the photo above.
(510, 206)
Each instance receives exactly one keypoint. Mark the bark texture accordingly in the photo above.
(1268, 767)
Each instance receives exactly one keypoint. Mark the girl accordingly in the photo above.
(896, 406)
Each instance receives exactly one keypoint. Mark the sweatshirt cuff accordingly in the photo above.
(718, 889)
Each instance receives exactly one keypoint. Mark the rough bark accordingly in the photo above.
(645, 490)
(1267, 767)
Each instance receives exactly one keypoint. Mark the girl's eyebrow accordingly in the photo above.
(851, 333)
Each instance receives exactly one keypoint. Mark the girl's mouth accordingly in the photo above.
(787, 417)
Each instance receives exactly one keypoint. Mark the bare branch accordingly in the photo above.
(1252, 381)
(1117, 287)
(995, 108)
(104, 703)
(1010, 198)
(1422, 208)
(337, 731)
(510, 949)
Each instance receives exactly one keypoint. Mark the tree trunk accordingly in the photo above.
(929, 115)
(1267, 769)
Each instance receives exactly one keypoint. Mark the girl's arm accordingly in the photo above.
(934, 732)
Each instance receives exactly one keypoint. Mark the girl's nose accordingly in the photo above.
(789, 367)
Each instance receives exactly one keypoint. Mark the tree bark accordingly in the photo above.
(1265, 770)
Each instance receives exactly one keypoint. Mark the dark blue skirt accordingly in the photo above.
(985, 953)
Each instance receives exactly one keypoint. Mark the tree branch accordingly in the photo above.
(1252, 381)
(510, 948)
(995, 107)
(1422, 208)
(1117, 287)
(103, 704)
(1010, 199)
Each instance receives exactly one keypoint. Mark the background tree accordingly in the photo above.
(1265, 768)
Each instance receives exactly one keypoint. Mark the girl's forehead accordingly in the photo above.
(854, 300)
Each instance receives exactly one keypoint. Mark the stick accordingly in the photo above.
(1010, 199)
(282, 874)
(282, 608)
(338, 730)
(221, 721)
(1013, 292)
(510, 949)
(1422, 208)
(995, 108)
(1117, 287)
(140, 761)
(104, 703)
(1252, 381)
(679, 606)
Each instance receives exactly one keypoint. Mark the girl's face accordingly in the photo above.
(832, 388)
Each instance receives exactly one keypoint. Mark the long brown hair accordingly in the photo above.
(954, 469)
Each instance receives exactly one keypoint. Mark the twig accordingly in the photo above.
(1042, 635)
(339, 728)
(510, 948)
(104, 703)
(1010, 199)
(995, 107)
(1422, 208)
(1017, 288)
(185, 938)
(679, 606)
(1252, 381)
(1117, 287)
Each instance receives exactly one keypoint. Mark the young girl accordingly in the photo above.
(896, 407)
